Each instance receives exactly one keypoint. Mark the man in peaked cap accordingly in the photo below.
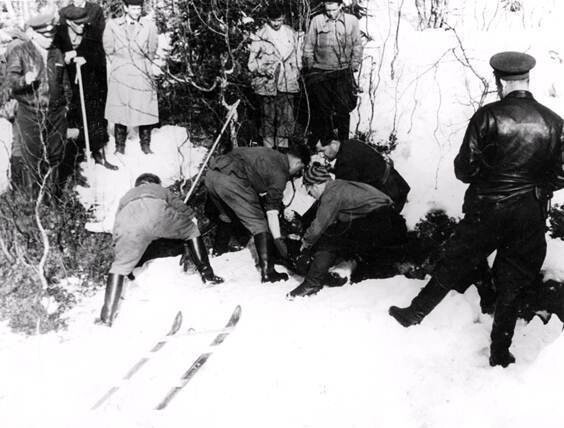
(39, 82)
(347, 220)
(511, 157)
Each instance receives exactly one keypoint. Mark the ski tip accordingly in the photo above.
(237, 311)
(176, 324)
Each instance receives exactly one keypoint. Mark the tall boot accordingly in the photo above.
(99, 157)
(145, 139)
(199, 255)
(551, 298)
(505, 318)
(421, 306)
(114, 289)
(267, 271)
(316, 274)
(120, 135)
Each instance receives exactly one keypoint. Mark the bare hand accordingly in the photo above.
(79, 61)
(30, 77)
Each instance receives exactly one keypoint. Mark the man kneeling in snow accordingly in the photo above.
(147, 214)
(347, 220)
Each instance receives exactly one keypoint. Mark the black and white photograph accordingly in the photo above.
(281, 213)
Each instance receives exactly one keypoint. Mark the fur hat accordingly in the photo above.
(316, 173)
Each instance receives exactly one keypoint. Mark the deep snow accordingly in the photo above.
(336, 359)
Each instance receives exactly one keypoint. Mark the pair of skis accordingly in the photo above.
(192, 370)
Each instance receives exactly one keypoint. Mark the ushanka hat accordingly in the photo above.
(79, 15)
(512, 65)
(316, 173)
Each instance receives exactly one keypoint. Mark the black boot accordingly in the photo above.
(120, 135)
(303, 290)
(317, 274)
(429, 297)
(199, 255)
(501, 357)
(114, 289)
(145, 139)
(267, 271)
(100, 158)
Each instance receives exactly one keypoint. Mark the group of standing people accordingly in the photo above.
(282, 61)
(57, 72)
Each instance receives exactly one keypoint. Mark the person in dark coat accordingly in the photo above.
(235, 182)
(79, 36)
(148, 214)
(511, 156)
(348, 219)
(40, 84)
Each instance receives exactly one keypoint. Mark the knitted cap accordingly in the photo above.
(315, 174)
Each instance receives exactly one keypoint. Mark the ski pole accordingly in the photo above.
(83, 108)
(232, 111)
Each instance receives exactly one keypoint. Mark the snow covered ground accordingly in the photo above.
(336, 359)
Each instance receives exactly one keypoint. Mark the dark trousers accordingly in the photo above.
(359, 238)
(43, 137)
(516, 229)
(332, 97)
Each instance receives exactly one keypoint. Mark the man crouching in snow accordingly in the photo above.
(511, 156)
(347, 220)
(147, 213)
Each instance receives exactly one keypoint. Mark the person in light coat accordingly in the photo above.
(130, 43)
(275, 61)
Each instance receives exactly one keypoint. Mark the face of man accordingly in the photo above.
(330, 150)
(44, 39)
(276, 23)
(332, 9)
(133, 11)
(76, 28)
(296, 165)
(315, 190)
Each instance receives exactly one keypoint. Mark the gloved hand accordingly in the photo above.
(280, 245)
(69, 56)
(301, 263)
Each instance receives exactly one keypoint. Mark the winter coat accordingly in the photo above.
(132, 91)
(275, 60)
(156, 191)
(333, 44)
(94, 83)
(265, 170)
(511, 147)
(344, 201)
(357, 161)
(52, 89)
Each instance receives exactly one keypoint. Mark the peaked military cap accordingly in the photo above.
(512, 65)
(42, 23)
(133, 2)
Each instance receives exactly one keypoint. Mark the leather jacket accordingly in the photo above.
(512, 147)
